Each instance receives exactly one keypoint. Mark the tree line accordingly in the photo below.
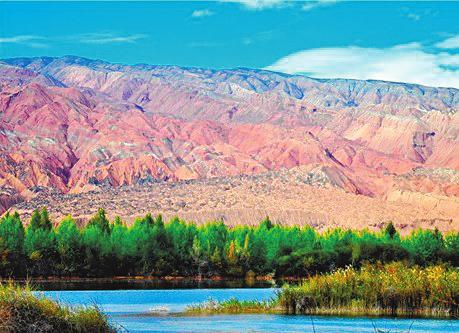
(151, 247)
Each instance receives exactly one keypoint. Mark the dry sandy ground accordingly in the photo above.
(283, 196)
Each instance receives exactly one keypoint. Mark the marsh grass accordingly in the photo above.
(233, 306)
(392, 289)
(374, 290)
(22, 311)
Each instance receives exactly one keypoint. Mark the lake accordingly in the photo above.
(132, 310)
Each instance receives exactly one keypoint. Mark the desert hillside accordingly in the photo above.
(235, 144)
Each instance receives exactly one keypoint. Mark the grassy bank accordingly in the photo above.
(376, 290)
(22, 311)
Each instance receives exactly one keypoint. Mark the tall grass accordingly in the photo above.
(392, 289)
(232, 306)
(22, 312)
(377, 290)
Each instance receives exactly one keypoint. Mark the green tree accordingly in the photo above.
(452, 248)
(266, 223)
(152, 246)
(40, 220)
(258, 254)
(181, 236)
(35, 220)
(390, 230)
(11, 246)
(45, 221)
(425, 246)
(96, 246)
(100, 221)
(69, 248)
(122, 249)
(40, 248)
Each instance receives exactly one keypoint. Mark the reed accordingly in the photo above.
(22, 311)
(393, 289)
(233, 306)
(374, 290)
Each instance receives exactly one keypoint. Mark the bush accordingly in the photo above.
(23, 312)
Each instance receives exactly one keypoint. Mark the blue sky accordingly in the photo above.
(399, 41)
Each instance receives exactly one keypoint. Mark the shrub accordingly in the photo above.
(23, 312)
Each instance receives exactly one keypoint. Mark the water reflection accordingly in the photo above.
(151, 284)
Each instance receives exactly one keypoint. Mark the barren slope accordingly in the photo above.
(73, 125)
(302, 196)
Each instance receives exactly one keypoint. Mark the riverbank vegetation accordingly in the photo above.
(233, 306)
(151, 247)
(22, 311)
(374, 290)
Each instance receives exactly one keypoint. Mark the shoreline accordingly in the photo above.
(235, 307)
(145, 282)
(342, 313)
(267, 279)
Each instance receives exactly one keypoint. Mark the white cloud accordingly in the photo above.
(310, 5)
(416, 14)
(259, 4)
(108, 38)
(202, 13)
(89, 38)
(400, 63)
(265, 4)
(29, 40)
(17, 39)
(450, 43)
(413, 16)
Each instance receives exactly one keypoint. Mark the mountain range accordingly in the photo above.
(235, 144)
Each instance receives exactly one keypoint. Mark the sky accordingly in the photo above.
(416, 42)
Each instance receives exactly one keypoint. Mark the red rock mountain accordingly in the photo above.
(73, 125)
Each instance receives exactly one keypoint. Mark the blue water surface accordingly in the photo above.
(132, 310)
